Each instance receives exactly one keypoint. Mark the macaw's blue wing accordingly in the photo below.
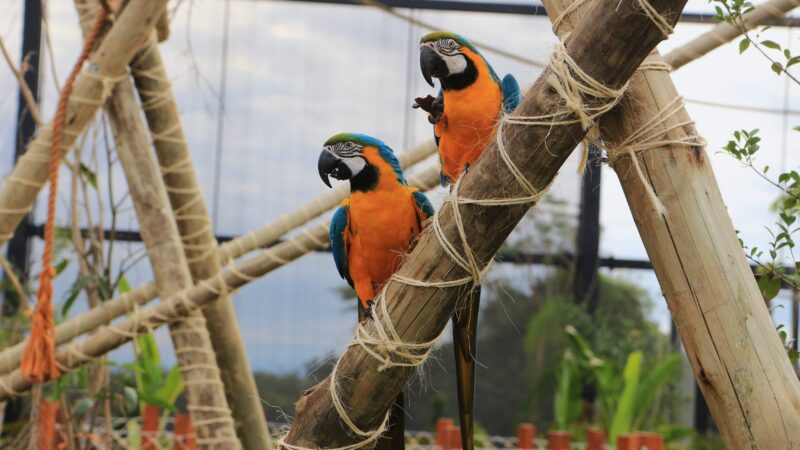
(424, 207)
(511, 93)
(339, 242)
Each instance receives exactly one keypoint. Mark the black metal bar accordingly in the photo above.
(510, 8)
(18, 251)
(587, 247)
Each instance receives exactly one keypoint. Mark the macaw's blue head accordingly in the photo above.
(450, 58)
(360, 159)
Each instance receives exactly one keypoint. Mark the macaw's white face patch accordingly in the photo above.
(450, 51)
(350, 153)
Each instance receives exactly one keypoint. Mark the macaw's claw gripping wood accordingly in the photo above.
(417, 304)
(199, 242)
(105, 67)
(722, 320)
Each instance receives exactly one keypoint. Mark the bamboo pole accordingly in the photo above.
(199, 242)
(182, 303)
(723, 32)
(263, 236)
(104, 68)
(609, 51)
(205, 395)
(720, 315)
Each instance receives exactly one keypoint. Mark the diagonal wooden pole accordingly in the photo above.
(104, 68)
(205, 395)
(723, 32)
(199, 242)
(717, 308)
(419, 304)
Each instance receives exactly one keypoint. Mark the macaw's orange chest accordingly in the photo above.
(468, 125)
(382, 226)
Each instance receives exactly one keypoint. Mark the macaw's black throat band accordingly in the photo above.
(461, 80)
(366, 180)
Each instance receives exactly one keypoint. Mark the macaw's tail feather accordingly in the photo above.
(465, 346)
(394, 438)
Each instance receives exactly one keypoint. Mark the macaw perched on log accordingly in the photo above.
(373, 228)
(464, 117)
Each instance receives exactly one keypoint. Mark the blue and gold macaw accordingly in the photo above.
(464, 116)
(373, 228)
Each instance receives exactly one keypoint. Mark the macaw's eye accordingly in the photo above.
(447, 46)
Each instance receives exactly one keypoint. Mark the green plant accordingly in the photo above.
(153, 385)
(624, 398)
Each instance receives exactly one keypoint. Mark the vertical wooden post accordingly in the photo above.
(205, 395)
(199, 242)
(558, 440)
(718, 310)
(526, 434)
(204, 391)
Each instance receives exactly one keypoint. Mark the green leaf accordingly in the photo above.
(83, 406)
(90, 176)
(792, 61)
(769, 286)
(623, 416)
(74, 291)
(171, 389)
(61, 266)
(743, 45)
(122, 285)
(777, 68)
(130, 400)
(771, 44)
(652, 384)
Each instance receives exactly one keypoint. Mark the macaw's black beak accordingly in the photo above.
(432, 65)
(333, 166)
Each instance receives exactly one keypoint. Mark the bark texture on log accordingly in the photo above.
(609, 50)
(205, 396)
(729, 338)
(182, 303)
(199, 242)
(723, 32)
(105, 66)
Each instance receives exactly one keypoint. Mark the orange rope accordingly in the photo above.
(39, 359)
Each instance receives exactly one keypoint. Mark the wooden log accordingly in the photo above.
(608, 51)
(104, 68)
(724, 325)
(199, 242)
(205, 395)
(112, 309)
(182, 303)
(723, 32)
